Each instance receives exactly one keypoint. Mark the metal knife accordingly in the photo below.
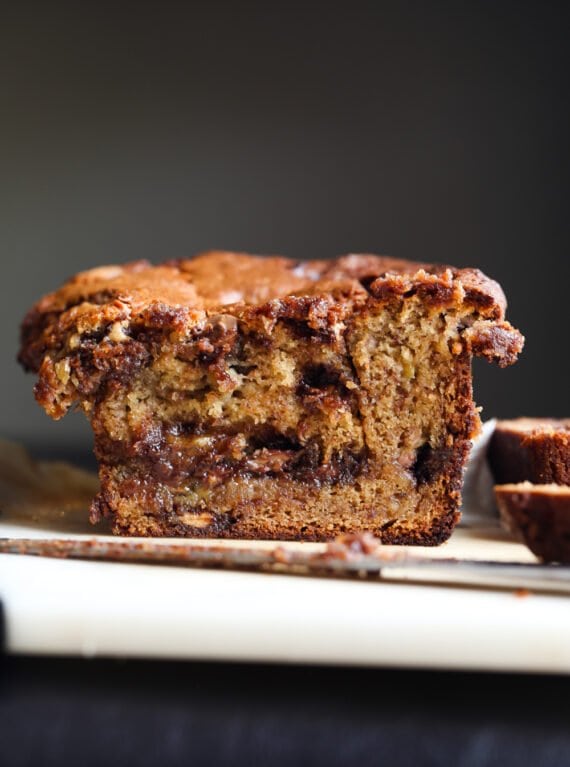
(336, 559)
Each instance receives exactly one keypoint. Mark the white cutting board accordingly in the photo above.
(112, 609)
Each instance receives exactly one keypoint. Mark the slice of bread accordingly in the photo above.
(531, 449)
(540, 514)
(530, 461)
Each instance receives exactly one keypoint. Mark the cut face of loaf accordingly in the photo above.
(233, 396)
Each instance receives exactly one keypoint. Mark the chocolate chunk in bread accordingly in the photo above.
(238, 396)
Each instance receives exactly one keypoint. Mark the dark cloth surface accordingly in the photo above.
(105, 712)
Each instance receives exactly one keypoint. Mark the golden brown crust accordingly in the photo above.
(210, 283)
(218, 278)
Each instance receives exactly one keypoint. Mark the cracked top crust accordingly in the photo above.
(218, 278)
(181, 294)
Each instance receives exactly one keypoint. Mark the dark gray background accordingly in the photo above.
(428, 130)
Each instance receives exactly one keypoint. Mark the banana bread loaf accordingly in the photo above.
(238, 396)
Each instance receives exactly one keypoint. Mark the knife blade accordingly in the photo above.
(336, 559)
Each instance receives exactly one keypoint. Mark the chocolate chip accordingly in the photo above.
(430, 462)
